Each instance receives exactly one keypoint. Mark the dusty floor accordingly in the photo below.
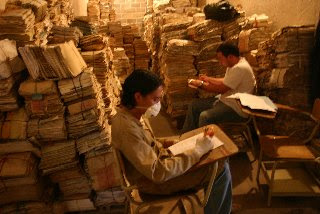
(245, 190)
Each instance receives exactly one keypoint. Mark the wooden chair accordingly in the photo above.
(147, 200)
(277, 150)
(245, 129)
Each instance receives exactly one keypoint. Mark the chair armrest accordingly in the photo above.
(275, 137)
(285, 147)
(289, 108)
(299, 111)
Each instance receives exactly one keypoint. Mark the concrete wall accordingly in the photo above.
(130, 11)
(80, 7)
(282, 12)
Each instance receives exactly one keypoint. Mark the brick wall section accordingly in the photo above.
(130, 11)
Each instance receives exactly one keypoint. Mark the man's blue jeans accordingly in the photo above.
(220, 199)
(205, 111)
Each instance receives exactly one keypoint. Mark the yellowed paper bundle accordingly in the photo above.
(94, 141)
(79, 205)
(120, 63)
(39, 8)
(76, 89)
(57, 154)
(93, 43)
(18, 169)
(10, 63)
(61, 34)
(49, 129)
(17, 24)
(103, 172)
(72, 182)
(26, 207)
(18, 146)
(41, 98)
(30, 192)
(15, 125)
(113, 195)
(53, 61)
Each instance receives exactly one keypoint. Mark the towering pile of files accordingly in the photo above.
(141, 54)
(285, 75)
(177, 67)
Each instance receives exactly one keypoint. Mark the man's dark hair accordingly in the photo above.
(141, 81)
(228, 49)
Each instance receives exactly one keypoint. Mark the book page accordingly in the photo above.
(255, 102)
(190, 143)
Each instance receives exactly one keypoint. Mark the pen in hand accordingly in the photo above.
(208, 131)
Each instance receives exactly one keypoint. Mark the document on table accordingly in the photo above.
(255, 102)
(190, 143)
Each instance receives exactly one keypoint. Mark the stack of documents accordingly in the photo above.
(53, 61)
(120, 64)
(14, 127)
(100, 63)
(49, 129)
(57, 156)
(19, 178)
(115, 34)
(177, 66)
(93, 42)
(93, 141)
(11, 75)
(141, 54)
(94, 11)
(61, 34)
(102, 170)
(42, 98)
(17, 24)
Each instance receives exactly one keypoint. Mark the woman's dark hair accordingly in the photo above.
(141, 81)
(228, 49)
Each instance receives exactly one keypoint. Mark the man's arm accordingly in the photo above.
(212, 84)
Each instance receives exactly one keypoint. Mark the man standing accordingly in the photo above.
(239, 77)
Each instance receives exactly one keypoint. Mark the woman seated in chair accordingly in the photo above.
(148, 163)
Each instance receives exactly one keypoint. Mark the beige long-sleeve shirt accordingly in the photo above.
(148, 164)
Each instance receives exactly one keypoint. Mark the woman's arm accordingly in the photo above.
(157, 166)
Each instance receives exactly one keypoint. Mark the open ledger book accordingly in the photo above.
(190, 143)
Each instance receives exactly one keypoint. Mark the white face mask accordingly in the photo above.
(153, 110)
